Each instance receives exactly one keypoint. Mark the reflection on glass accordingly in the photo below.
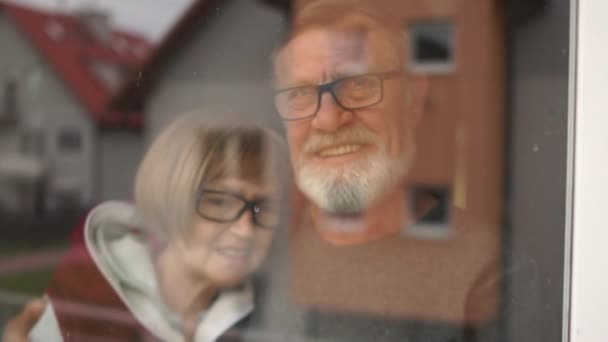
(432, 45)
(356, 165)
(176, 264)
(425, 140)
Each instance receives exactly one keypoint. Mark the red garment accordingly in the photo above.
(86, 305)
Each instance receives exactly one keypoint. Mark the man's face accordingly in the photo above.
(345, 159)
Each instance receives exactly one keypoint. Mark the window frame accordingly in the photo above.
(415, 27)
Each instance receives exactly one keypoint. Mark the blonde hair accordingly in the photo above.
(195, 149)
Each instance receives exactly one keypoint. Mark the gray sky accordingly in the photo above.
(152, 18)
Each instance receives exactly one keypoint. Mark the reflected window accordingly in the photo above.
(32, 143)
(8, 111)
(69, 140)
(431, 205)
(432, 46)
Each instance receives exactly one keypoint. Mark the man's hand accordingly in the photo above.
(19, 327)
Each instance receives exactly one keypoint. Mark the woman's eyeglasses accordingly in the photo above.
(222, 206)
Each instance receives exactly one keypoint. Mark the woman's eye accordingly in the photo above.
(217, 201)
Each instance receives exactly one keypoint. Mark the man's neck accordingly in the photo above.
(383, 219)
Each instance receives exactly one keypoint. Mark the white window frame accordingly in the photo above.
(587, 295)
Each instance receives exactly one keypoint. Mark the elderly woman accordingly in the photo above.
(175, 266)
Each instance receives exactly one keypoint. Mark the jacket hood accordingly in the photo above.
(119, 248)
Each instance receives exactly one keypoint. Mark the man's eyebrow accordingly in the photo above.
(296, 82)
(350, 69)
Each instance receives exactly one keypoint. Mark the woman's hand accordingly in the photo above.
(18, 328)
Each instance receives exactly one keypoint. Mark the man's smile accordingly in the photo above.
(338, 150)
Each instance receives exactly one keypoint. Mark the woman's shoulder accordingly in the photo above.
(83, 301)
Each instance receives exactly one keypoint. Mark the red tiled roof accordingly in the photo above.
(61, 41)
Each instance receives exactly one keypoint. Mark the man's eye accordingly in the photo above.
(360, 83)
(299, 93)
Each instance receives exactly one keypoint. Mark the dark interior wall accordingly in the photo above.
(536, 186)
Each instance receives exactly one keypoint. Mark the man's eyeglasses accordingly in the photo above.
(350, 93)
(221, 206)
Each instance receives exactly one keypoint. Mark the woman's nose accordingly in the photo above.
(243, 226)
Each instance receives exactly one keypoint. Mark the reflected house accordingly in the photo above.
(60, 144)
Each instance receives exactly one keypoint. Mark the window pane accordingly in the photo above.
(432, 211)
(69, 141)
(432, 43)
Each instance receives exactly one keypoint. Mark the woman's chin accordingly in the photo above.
(226, 279)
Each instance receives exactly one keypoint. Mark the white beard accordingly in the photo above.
(351, 188)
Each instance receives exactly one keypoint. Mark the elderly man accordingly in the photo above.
(351, 112)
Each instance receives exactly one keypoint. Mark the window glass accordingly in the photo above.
(276, 170)
(432, 45)
(9, 100)
(69, 140)
(32, 142)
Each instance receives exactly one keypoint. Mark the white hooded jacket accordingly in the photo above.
(124, 260)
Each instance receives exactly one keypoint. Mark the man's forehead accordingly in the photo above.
(336, 52)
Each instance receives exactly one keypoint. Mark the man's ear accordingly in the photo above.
(417, 97)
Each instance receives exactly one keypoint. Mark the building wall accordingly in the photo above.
(19, 55)
(223, 68)
(70, 169)
(9, 143)
(9, 139)
(47, 106)
(119, 155)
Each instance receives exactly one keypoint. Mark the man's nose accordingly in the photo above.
(330, 117)
(243, 227)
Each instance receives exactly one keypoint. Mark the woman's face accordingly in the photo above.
(224, 247)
